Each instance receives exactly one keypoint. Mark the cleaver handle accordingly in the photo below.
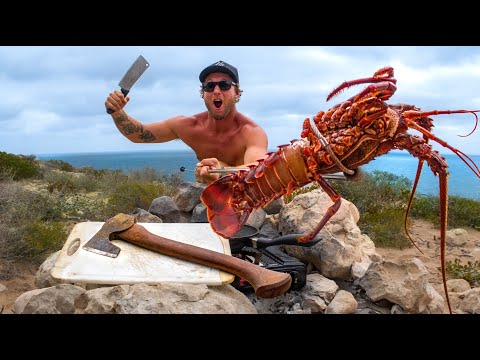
(267, 283)
(124, 92)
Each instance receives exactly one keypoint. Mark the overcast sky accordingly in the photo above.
(52, 98)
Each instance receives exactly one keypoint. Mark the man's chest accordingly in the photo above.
(230, 152)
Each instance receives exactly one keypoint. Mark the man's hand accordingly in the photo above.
(201, 172)
(116, 101)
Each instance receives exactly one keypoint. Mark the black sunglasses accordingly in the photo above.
(224, 85)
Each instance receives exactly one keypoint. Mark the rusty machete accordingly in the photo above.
(131, 76)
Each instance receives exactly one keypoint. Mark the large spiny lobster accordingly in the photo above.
(348, 135)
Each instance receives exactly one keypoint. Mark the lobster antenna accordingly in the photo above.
(476, 123)
(410, 200)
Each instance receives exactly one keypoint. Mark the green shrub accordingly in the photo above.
(20, 166)
(31, 241)
(35, 222)
(128, 196)
(96, 173)
(146, 174)
(386, 227)
(462, 212)
(85, 182)
(59, 165)
(44, 237)
(469, 271)
(59, 181)
(375, 191)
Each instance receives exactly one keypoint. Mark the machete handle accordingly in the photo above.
(124, 92)
(267, 283)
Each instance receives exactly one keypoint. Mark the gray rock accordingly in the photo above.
(188, 195)
(145, 217)
(199, 214)
(58, 299)
(342, 303)
(171, 298)
(43, 279)
(274, 206)
(166, 209)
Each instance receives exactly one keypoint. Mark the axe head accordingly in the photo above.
(100, 242)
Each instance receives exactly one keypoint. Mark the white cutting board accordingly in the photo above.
(135, 264)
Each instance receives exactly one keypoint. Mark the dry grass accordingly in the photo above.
(37, 214)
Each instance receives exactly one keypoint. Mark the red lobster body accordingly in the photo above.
(345, 137)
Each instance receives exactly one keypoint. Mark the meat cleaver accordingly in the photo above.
(131, 76)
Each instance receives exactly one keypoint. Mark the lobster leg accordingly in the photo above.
(420, 149)
(337, 201)
(438, 166)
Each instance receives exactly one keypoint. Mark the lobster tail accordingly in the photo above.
(231, 199)
(224, 216)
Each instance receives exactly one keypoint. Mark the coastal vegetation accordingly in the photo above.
(41, 201)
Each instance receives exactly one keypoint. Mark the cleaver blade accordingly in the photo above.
(132, 75)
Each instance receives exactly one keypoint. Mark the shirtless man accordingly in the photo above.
(220, 136)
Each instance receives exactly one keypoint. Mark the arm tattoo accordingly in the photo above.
(120, 118)
(127, 128)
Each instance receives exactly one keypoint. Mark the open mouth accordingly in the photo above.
(217, 103)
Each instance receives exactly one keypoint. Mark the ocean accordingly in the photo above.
(462, 181)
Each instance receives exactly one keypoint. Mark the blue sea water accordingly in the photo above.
(462, 181)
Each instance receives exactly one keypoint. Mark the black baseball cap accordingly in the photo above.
(221, 67)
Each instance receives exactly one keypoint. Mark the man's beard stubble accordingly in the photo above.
(228, 107)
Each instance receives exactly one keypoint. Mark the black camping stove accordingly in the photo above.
(272, 258)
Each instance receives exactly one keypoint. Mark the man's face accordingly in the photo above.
(219, 102)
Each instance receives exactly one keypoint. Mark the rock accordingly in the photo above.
(199, 214)
(405, 284)
(144, 216)
(43, 279)
(342, 303)
(166, 209)
(458, 285)
(256, 218)
(342, 242)
(470, 301)
(457, 237)
(58, 299)
(274, 206)
(188, 195)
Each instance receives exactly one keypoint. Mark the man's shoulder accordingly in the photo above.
(182, 119)
(250, 128)
(199, 117)
(246, 121)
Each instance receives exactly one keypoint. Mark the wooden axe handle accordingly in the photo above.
(267, 283)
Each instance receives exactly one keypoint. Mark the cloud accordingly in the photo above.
(53, 96)
(31, 121)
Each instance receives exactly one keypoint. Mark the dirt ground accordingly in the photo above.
(423, 233)
(23, 281)
(427, 238)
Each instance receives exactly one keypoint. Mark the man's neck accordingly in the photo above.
(223, 124)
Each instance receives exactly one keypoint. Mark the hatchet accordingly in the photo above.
(131, 76)
(267, 283)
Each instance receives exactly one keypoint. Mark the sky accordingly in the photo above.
(53, 97)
